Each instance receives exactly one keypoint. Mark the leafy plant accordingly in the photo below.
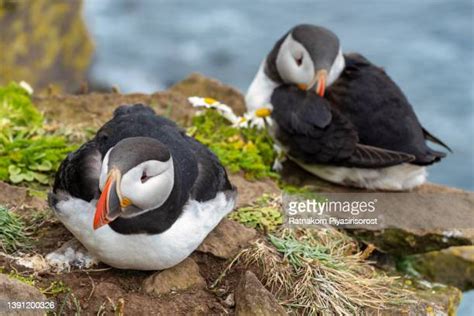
(248, 149)
(27, 152)
(264, 214)
(13, 235)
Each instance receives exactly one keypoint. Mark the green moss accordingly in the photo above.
(27, 152)
(28, 279)
(55, 288)
(44, 42)
(264, 214)
(13, 235)
(249, 150)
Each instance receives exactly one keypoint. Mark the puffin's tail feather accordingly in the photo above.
(434, 139)
(429, 158)
(365, 156)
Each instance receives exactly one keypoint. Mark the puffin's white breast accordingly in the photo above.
(143, 251)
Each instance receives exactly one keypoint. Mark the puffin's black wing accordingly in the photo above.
(79, 173)
(379, 110)
(314, 132)
(212, 176)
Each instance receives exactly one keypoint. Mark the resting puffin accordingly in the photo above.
(141, 194)
(355, 128)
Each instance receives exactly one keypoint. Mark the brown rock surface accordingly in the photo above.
(249, 191)
(253, 299)
(428, 218)
(12, 290)
(227, 239)
(18, 197)
(199, 85)
(180, 277)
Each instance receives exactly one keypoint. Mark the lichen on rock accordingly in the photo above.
(44, 42)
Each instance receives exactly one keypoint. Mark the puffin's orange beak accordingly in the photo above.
(319, 80)
(108, 206)
(321, 77)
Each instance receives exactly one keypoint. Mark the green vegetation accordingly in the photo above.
(263, 214)
(27, 279)
(55, 288)
(27, 152)
(13, 235)
(248, 149)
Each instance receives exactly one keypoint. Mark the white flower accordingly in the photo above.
(210, 103)
(259, 118)
(26, 86)
(280, 157)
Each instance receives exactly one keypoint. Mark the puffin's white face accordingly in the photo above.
(295, 66)
(147, 185)
(294, 63)
(307, 56)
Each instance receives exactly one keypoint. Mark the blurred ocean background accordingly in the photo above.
(426, 47)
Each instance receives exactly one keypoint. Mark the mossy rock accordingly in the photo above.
(453, 266)
(44, 42)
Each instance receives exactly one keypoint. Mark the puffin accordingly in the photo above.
(141, 194)
(339, 116)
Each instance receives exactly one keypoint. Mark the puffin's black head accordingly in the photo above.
(307, 55)
(137, 175)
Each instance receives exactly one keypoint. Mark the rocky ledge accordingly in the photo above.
(205, 283)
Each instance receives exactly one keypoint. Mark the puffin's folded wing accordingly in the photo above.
(309, 128)
(373, 157)
(79, 173)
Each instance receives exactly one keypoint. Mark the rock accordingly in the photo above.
(12, 290)
(252, 298)
(199, 85)
(437, 300)
(227, 239)
(44, 42)
(429, 299)
(18, 197)
(429, 218)
(230, 300)
(96, 108)
(453, 266)
(180, 277)
(249, 191)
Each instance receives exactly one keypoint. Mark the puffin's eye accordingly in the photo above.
(144, 177)
(299, 60)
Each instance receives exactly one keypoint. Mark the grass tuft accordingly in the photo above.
(322, 272)
(13, 235)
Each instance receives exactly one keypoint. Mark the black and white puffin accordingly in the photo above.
(141, 194)
(349, 123)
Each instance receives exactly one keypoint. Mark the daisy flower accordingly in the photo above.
(279, 159)
(259, 118)
(26, 86)
(210, 103)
